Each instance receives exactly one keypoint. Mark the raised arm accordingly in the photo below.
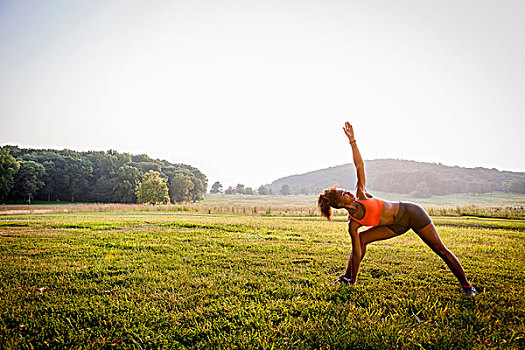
(358, 162)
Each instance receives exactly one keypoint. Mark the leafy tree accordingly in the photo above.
(516, 186)
(494, 186)
(147, 166)
(248, 191)
(104, 176)
(285, 190)
(485, 186)
(103, 164)
(8, 168)
(152, 189)
(28, 180)
(198, 189)
(229, 190)
(102, 190)
(305, 190)
(127, 179)
(263, 190)
(49, 179)
(71, 175)
(55, 166)
(180, 186)
(60, 178)
(216, 187)
(79, 170)
(239, 189)
(140, 158)
(189, 192)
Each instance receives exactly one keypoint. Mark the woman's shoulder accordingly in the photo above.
(364, 195)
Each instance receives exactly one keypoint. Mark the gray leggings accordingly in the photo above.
(410, 216)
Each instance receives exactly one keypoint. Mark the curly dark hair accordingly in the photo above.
(327, 200)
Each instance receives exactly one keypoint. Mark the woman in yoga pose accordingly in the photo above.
(386, 220)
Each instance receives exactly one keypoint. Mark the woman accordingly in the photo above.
(387, 220)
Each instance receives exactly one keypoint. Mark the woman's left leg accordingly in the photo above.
(430, 236)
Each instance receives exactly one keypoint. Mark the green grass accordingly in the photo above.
(139, 279)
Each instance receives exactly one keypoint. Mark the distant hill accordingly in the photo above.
(408, 177)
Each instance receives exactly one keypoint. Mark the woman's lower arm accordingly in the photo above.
(353, 265)
(359, 165)
(356, 154)
(355, 259)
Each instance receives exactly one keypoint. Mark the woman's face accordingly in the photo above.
(346, 197)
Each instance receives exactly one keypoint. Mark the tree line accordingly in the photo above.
(27, 175)
(263, 190)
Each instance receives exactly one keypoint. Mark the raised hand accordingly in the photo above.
(349, 131)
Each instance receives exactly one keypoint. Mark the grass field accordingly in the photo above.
(151, 278)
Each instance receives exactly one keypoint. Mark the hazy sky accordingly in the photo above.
(250, 91)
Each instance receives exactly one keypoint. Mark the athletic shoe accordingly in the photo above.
(469, 290)
(343, 279)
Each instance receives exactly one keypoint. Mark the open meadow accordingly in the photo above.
(250, 276)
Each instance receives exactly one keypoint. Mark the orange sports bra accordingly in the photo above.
(372, 208)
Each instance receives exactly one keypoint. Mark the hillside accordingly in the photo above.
(408, 177)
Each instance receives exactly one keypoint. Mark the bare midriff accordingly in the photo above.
(375, 212)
